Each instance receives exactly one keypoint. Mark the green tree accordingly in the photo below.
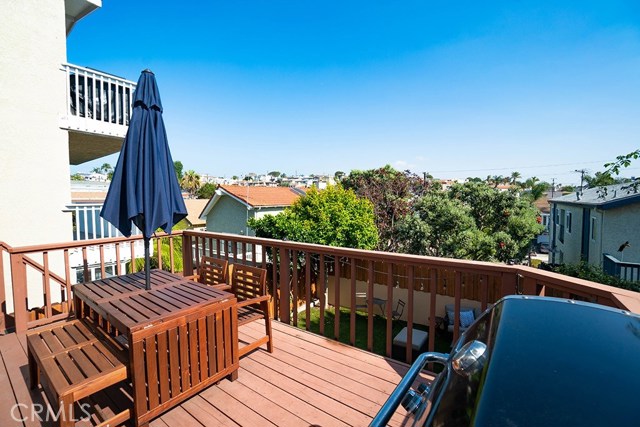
(206, 191)
(77, 177)
(334, 216)
(538, 190)
(495, 180)
(105, 169)
(165, 252)
(190, 182)
(177, 166)
(392, 193)
(274, 174)
(439, 226)
(600, 179)
(594, 273)
(515, 176)
(624, 161)
(470, 221)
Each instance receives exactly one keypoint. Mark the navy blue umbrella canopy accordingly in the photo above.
(144, 189)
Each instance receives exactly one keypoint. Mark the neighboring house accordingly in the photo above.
(232, 205)
(542, 205)
(194, 208)
(598, 221)
(52, 114)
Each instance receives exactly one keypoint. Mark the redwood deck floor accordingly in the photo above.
(308, 381)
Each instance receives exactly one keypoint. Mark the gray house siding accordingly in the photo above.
(621, 225)
(229, 215)
(568, 233)
(604, 232)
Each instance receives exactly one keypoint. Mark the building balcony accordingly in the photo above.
(97, 114)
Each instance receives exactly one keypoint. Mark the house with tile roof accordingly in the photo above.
(232, 205)
(194, 207)
(596, 224)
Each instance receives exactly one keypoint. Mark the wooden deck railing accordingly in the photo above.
(41, 276)
(299, 274)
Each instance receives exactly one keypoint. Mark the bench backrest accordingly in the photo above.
(248, 282)
(213, 271)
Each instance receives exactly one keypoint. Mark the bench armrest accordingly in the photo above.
(253, 301)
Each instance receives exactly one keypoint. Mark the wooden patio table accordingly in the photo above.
(182, 336)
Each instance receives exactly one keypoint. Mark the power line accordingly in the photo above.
(512, 168)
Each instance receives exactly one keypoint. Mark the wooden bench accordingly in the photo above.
(77, 360)
(249, 286)
(213, 272)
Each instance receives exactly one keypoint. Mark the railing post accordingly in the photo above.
(529, 286)
(19, 287)
(285, 305)
(3, 299)
(187, 256)
(508, 284)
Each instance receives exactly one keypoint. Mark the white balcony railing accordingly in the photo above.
(89, 225)
(97, 102)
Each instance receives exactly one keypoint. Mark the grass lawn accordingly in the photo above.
(443, 340)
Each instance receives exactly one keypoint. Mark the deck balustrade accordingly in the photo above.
(629, 271)
(300, 274)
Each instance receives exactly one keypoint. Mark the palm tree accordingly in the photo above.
(190, 182)
(530, 182)
(514, 177)
(495, 180)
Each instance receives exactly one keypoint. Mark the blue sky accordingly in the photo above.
(453, 88)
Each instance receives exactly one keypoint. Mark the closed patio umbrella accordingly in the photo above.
(144, 189)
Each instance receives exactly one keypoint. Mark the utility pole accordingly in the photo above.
(553, 186)
(581, 172)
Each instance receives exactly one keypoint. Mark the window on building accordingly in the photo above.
(562, 225)
(593, 228)
(569, 220)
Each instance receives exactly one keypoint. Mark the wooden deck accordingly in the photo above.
(308, 381)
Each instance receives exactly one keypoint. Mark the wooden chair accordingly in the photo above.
(250, 288)
(213, 272)
(397, 313)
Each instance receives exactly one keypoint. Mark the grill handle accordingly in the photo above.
(392, 403)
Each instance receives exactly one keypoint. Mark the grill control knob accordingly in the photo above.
(411, 401)
(423, 389)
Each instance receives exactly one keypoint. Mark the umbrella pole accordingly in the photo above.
(147, 270)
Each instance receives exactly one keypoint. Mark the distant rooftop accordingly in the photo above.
(607, 197)
(255, 196)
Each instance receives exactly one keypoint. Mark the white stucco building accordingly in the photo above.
(52, 114)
